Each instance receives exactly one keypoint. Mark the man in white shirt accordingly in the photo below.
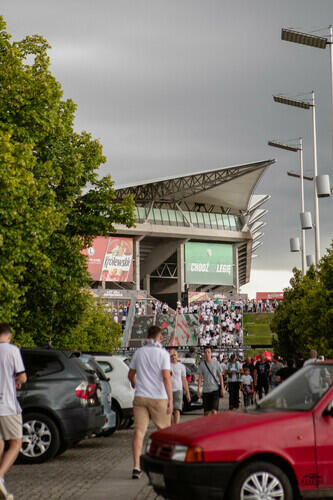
(313, 357)
(179, 381)
(150, 376)
(12, 376)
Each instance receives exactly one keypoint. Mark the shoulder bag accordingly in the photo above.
(216, 381)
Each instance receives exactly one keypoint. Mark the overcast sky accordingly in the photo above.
(178, 86)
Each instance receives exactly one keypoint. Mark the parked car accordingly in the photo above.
(116, 369)
(282, 448)
(106, 395)
(188, 361)
(195, 403)
(61, 403)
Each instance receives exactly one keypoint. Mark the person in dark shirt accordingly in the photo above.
(248, 364)
(299, 361)
(286, 372)
(261, 376)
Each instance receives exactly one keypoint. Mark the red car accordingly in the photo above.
(282, 449)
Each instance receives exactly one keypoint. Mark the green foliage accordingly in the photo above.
(95, 331)
(304, 319)
(52, 200)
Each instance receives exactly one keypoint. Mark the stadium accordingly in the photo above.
(195, 234)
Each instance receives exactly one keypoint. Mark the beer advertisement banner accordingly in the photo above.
(110, 259)
(209, 263)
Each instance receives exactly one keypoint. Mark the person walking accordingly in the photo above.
(234, 371)
(12, 376)
(210, 374)
(275, 367)
(261, 376)
(313, 357)
(150, 376)
(247, 387)
(178, 377)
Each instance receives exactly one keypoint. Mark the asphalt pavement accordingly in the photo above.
(96, 469)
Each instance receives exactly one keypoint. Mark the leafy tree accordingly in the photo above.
(52, 200)
(95, 331)
(304, 319)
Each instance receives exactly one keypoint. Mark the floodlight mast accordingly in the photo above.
(307, 105)
(302, 204)
(295, 149)
(320, 42)
(331, 59)
(315, 173)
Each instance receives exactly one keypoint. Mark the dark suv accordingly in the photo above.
(60, 403)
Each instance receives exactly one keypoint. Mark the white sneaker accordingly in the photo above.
(3, 491)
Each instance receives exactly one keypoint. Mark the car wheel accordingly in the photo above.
(41, 439)
(124, 423)
(62, 448)
(108, 432)
(129, 423)
(116, 409)
(261, 480)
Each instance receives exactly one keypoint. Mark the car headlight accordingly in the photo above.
(179, 453)
(187, 453)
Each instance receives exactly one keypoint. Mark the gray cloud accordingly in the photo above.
(175, 87)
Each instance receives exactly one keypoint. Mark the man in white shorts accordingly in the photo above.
(12, 376)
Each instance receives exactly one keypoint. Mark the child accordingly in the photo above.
(247, 386)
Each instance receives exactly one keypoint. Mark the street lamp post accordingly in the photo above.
(295, 149)
(311, 40)
(305, 104)
(315, 173)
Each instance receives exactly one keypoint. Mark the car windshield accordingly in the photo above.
(301, 391)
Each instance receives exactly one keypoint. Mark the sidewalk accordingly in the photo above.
(119, 485)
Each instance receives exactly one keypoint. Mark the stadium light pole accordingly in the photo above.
(311, 40)
(303, 104)
(296, 149)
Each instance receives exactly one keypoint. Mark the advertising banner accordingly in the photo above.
(110, 259)
(269, 295)
(209, 263)
(198, 297)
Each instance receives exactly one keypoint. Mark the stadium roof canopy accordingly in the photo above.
(227, 189)
(214, 205)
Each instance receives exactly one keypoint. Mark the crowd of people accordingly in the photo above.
(258, 306)
(250, 379)
(220, 323)
(159, 380)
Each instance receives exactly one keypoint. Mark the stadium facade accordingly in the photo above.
(212, 207)
(195, 234)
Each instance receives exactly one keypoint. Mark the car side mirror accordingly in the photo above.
(328, 412)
